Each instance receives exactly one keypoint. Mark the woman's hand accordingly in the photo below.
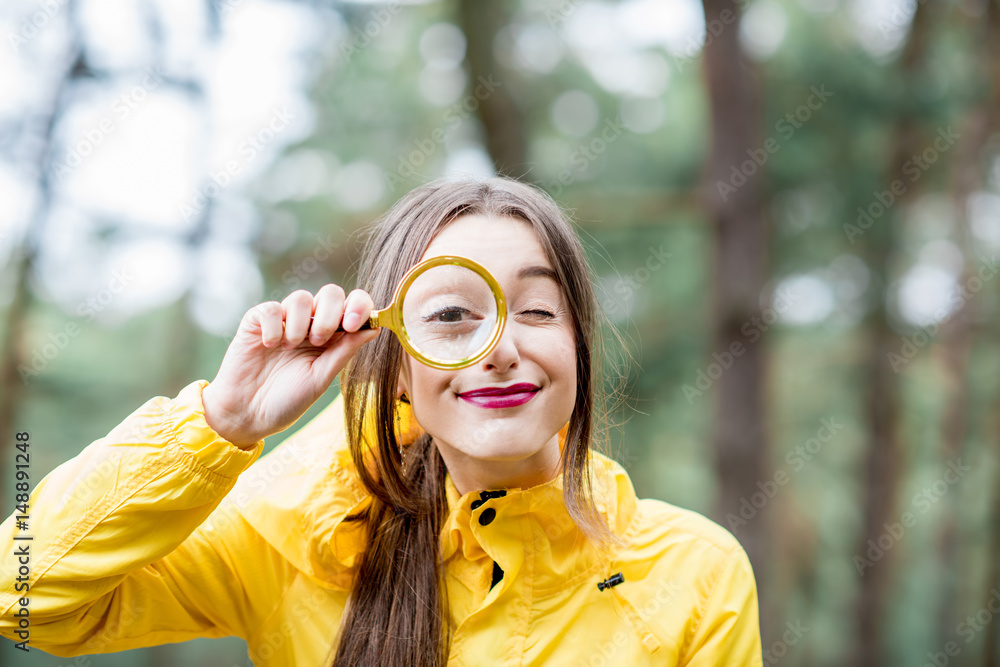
(278, 365)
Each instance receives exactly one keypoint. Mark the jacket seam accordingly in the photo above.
(252, 637)
(581, 545)
(724, 548)
(576, 580)
(703, 608)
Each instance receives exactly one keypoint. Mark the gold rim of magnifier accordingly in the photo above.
(392, 316)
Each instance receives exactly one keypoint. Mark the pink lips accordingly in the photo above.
(501, 397)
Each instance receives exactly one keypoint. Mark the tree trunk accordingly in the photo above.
(739, 269)
(883, 451)
(991, 648)
(503, 122)
(967, 177)
(991, 651)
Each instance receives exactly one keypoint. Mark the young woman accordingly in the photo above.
(424, 518)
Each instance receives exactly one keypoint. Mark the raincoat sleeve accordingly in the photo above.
(120, 553)
(728, 632)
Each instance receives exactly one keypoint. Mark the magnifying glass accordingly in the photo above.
(448, 312)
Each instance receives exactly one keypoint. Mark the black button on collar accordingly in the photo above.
(486, 518)
(486, 495)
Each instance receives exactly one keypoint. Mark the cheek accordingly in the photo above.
(428, 384)
(559, 352)
(563, 345)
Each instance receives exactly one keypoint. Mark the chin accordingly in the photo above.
(499, 453)
(497, 446)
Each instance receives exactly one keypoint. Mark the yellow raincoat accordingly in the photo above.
(163, 531)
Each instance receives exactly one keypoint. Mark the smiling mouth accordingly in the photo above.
(506, 397)
(517, 388)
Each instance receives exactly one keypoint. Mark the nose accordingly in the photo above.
(504, 356)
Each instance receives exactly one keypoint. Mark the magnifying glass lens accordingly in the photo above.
(449, 312)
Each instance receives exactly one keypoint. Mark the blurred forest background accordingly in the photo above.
(792, 209)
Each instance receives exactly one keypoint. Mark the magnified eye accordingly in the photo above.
(449, 312)
(447, 315)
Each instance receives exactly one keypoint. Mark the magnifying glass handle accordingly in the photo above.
(340, 327)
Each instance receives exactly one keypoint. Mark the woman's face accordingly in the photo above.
(502, 442)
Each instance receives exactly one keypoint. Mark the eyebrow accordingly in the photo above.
(537, 272)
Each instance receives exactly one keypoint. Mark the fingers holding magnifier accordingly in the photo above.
(357, 310)
(298, 307)
(329, 308)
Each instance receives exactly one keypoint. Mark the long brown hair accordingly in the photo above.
(397, 611)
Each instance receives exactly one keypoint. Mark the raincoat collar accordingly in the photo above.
(300, 492)
(515, 523)
(523, 528)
